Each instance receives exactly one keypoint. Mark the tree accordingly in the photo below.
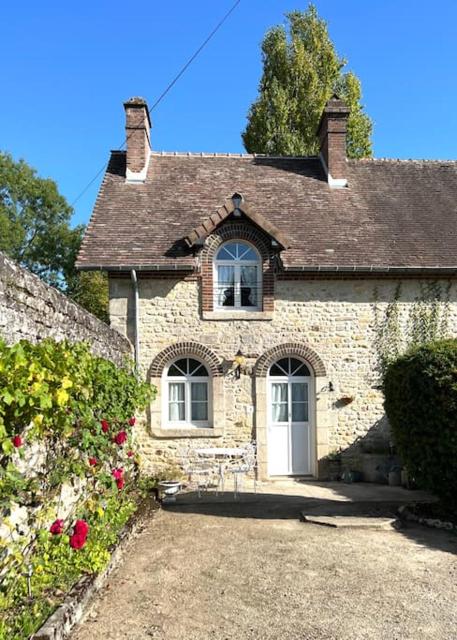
(35, 232)
(301, 71)
(34, 222)
(90, 290)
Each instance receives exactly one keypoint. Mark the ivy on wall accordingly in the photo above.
(399, 328)
(66, 419)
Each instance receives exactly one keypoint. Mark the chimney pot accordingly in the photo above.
(332, 132)
(137, 130)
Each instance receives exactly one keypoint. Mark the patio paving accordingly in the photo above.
(220, 569)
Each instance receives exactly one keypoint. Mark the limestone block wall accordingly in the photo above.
(32, 310)
(334, 318)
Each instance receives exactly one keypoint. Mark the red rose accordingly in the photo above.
(77, 541)
(132, 421)
(92, 462)
(56, 527)
(17, 441)
(81, 528)
(120, 483)
(105, 425)
(130, 453)
(120, 438)
(117, 473)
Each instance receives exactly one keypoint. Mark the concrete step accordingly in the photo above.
(352, 522)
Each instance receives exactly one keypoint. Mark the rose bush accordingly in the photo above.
(69, 401)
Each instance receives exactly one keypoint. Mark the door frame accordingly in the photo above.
(323, 417)
(309, 380)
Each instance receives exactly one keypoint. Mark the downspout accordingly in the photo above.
(136, 318)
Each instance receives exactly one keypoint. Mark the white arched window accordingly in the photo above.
(237, 277)
(187, 394)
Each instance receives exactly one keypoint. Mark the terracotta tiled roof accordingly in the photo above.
(394, 214)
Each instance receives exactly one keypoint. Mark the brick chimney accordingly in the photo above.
(332, 136)
(137, 131)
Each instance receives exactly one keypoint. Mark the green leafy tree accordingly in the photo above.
(34, 223)
(90, 290)
(301, 71)
(35, 232)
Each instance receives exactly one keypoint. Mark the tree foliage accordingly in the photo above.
(35, 232)
(34, 223)
(301, 71)
(420, 391)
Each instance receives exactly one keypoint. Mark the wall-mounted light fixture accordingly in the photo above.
(240, 361)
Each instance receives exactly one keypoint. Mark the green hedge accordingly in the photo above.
(421, 404)
(81, 409)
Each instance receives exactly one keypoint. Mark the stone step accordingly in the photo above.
(352, 522)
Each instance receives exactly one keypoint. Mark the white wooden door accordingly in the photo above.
(289, 429)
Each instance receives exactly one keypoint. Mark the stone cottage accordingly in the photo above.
(250, 286)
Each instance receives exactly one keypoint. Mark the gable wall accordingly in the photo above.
(334, 318)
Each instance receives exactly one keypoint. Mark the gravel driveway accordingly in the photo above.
(215, 570)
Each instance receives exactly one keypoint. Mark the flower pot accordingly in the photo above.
(169, 488)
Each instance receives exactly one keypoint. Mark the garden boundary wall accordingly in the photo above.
(32, 310)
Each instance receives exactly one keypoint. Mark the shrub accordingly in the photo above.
(79, 408)
(420, 391)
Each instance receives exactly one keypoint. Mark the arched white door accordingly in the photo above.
(289, 424)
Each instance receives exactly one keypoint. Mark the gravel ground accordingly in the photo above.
(244, 571)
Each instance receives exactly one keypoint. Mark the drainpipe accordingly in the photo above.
(136, 316)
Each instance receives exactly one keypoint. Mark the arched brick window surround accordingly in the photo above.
(185, 349)
(265, 361)
(238, 231)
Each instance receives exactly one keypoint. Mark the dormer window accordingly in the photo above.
(237, 277)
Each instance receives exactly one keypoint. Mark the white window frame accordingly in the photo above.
(237, 264)
(187, 380)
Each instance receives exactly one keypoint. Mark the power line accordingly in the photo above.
(164, 93)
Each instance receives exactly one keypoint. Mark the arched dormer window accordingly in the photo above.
(237, 277)
(187, 396)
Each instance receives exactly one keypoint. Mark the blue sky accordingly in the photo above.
(68, 66)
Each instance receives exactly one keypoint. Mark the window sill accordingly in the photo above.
(237, 315)
(188, 433)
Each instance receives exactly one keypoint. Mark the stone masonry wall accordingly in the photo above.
(335, 318)
(32, 310)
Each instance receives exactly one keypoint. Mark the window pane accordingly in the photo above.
(199, 411)
(174, 371)
(299, 412)
(225, 286)
(176, 404)
(284, 365)
(279, 392)
(245, 252)
(299, 392)
(227, 252)
(298, 368)
(279, 412)
(199, 391)
(196, 368)
(276, 371)
(249, 276)
(279, 395)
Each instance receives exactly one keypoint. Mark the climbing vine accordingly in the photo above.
(397, 329)
(66, 419)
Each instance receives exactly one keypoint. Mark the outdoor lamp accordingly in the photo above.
(239, 360)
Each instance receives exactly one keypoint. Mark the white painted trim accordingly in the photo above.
(237, 264)
(312, 418)
(334, 183)
(187, 380)
(138, 176)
